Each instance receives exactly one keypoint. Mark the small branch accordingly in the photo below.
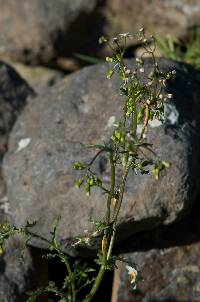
(32, 234)
(95, 157)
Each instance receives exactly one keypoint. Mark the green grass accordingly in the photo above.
(172, 48)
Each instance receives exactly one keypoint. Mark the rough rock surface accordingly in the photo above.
(168, 261)
(175, 17)
(14, 275)
(38, 31)
(168, 275)
(17, 276)
(38, 77)
(14, 92)
(81, 108)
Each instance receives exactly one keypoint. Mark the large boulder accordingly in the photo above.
(14, 92)
(46, 141)
(175, 17)
(15, 276)
(39, 31)
(168, 275)
(40, 78)
(168, 262)
(18, 276)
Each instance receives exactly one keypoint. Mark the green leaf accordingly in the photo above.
(79, 166)
(89, 59)
(118, 136)
(110, 74)
(122, 75)
(79, 182)
(90, 181)
(140, 114)
(109, 59)
(52, 284)
(123, 90)
(119, 57)
(159, 166)
(165, 164)
(87, 189)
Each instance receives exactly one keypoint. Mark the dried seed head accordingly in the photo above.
(169, 96)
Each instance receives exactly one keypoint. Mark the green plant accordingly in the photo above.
(88, 59)
(192, 54)
(143, 96)
(172, 48)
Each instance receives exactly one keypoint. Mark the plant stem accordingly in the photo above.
(71, 275)
(94, 158)
(112, 188)
(106, 236)
(146, 120)
(134, 125)
(32, 234)
(108, 254)
(112, 240)
(96, 285)
(122, 188)
(116, 213)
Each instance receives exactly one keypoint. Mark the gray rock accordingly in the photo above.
(39, 31)
(40, 178)
(17, 276)
(174, 17)
(38, 77)
(168, 262)
(168, 275)
(14, 92)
